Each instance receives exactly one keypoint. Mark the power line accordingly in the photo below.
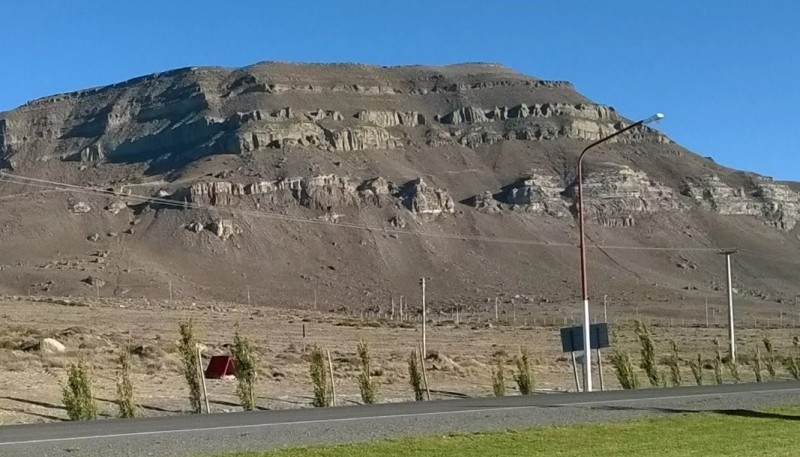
(53, 185)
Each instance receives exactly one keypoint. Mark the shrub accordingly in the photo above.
(187, 348)
(649, 364)
(733, 367)
(717, 362)
(415, 376)
(245, 362)
(755, 363)
(125, 401)
(674, 365)
(524, 375)
(367, 385)
(319, 378)
(793, 361)
(769, 361)
(499, 378)
(623, 368)
(697, 370)
(77, 393)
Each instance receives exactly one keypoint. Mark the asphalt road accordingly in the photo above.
(191, 435)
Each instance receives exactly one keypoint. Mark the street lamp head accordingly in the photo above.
(654, 118)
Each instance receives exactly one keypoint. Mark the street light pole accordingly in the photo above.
(731, 337)
(587, 362)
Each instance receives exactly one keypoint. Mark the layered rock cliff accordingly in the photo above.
(475, 151)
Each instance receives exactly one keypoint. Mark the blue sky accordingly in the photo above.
(725, 73)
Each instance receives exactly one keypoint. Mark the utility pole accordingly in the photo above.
(706, 312)
(424, 321)
(495, 310)
(732, 339)
(605, 308)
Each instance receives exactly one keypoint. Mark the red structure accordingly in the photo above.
(220, 366)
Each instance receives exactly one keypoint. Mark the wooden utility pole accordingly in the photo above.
(495, 310)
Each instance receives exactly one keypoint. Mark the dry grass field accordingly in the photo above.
(96, 330)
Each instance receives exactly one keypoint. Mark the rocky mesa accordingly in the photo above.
(357, 179)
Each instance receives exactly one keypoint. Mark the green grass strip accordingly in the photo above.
(775, 432)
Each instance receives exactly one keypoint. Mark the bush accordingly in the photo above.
(524, 376)
(125, 401)
(673, 361)
(77, 393)
(245, 362)
(755, 363)
(717, 362)
(367, 385)
(649, 364)
(187, 348)
(733, 367)
(769, 361)
(623, 368)
(793, 361)
(499, 378)
(319, 378)
(415, 376)
(697, 370)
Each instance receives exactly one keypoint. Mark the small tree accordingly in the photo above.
(674, 365)
(623, 368)
(649, 364)
(697, 370)
(367, 385)
(793, 361)
(245, 362)
(187, 348)
(319, 378)
(77, 393)
(733, 367)
(769, 361)
(415, 376)
(125, 396)
(717, 362)
(524, 375)
(499, 378)
(755, 363)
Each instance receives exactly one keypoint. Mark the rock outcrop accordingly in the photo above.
(485, 202)
(775, 204)
(51, 346)
(616, 195)
(712, 194)
(424, 200)
(223, 228)
(378, 191)
(321, 192)
(538, 193)
(547, 121)
(360, 138)
(80, 208)
(391, 118)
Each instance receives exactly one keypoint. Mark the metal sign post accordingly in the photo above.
(731, 336)
(572, 341)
